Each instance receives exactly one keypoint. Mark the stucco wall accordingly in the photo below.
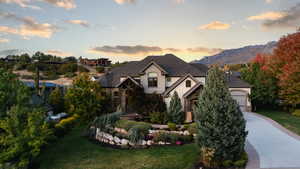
(201, 79)
(161, 81)
(173, 80)
(181, 89)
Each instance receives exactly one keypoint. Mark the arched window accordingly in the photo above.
(188, 83)
(152, 79)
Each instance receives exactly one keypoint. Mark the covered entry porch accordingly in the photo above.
(191, 100)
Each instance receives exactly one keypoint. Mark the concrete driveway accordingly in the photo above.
(269, 145)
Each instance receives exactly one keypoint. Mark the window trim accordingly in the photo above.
(153, 80)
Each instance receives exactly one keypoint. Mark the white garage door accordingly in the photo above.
(241, 98)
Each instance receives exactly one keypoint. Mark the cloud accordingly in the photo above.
(79, 22)
(4, 53)
(58, 53)
(127, 50)
(268, 1)
(67, 4)
(210, 51)
(4, 40)
(291, 19)
(215, 25)
(267, 16)
(21, 3)
(124, 1)
(179, 1)
(141, 50)
(29, 28)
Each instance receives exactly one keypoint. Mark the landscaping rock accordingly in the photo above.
(144, 142)
(124, 142)
(186, 133)
(149, 142)
(116, 139)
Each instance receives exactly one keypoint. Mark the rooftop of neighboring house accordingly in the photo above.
(169, 64)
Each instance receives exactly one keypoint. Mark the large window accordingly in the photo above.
(152, 79)
(188, 83)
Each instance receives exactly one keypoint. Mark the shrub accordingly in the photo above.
(62, 127)
(171, 137)
(158, 117)
(128, 124)
(160, 136)
(240, 163)
(175, 112)
(227, 163)
(107, 119)
(296, 113)
(138, 133)
(192, 128)
(172, 126)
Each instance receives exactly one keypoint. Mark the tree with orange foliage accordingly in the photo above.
(284, 65)
(264, 92)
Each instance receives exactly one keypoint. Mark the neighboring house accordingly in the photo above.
(95, 62)
(166, 74)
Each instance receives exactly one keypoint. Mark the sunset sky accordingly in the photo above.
(132, 29)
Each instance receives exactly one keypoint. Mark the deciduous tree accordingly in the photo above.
(85, 98)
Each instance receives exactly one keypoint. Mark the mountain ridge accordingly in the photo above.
(238, 55)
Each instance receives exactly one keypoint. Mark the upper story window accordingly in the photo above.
(188, 83)
(152, 79)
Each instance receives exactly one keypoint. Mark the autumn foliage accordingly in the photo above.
(284, 66)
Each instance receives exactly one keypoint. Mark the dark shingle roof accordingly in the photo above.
(170, 63)
(236, 82)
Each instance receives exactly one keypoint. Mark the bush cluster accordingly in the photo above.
(296, 113)
(172, 138)
(65, 125)
(128, 124)
(158, 117)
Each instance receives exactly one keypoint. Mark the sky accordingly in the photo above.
(125, 30)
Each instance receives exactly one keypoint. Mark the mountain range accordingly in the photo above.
(238, 55)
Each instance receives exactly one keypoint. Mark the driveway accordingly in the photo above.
(269, 145)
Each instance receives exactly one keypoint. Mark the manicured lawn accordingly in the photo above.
(287, 120)
(76, 152)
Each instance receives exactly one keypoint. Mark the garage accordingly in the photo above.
(241, 98)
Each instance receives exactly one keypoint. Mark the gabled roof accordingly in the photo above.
(172, 65)
(178, 82)
(195, 87)
(131, 79)
(155, 64)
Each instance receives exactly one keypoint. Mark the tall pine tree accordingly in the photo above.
(175, 112)
(220, 122)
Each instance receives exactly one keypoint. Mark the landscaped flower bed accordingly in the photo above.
(132, 134)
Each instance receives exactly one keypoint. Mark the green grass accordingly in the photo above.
(285, 119)
(76, 152)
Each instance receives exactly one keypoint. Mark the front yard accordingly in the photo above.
(76, 152)
(285, 119)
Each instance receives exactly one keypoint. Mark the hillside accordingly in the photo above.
(239, 55)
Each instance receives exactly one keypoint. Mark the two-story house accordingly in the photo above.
(166, 74)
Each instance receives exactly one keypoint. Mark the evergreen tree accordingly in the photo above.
(175, 110)
(220, 122)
